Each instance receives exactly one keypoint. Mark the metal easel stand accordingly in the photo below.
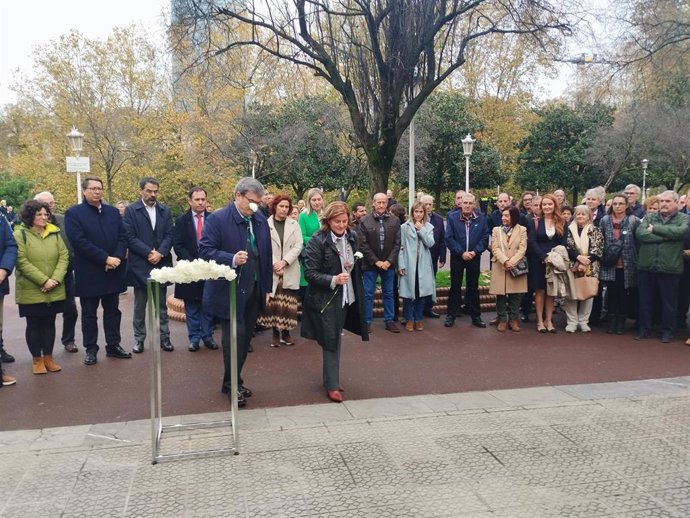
(157, 426)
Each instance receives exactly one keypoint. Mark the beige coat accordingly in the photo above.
(504, 247)
(292, 246)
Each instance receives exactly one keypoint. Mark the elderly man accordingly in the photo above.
(559, 194)
(70, 314)
(99, 242)
(438, 251)
(149, 227)
(684, 289)
(379, 234)
(632, 192)
(660, 264)
(467, 236)
(238, 235)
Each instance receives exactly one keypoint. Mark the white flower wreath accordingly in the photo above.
(185, 272)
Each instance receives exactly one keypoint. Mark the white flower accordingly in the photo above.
(358, 255)
(253, 206)
(185, 272)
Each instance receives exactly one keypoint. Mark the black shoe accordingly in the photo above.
(117, 352)
(71, 347)
(641, 336)
(5, 357)
(250, 349)
(666, 338)
(167, 346)
(90, 358)
(245, 391)
(241, 398)
(211, 345)
(478, 322)
(450, 320)
(193, 347)
(524, 318)
(138, 347)
(431, 314)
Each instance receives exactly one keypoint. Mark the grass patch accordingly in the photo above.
(443, 279)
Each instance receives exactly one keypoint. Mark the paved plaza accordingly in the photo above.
(617, 449)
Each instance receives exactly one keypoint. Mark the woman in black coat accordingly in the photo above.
(335, 298)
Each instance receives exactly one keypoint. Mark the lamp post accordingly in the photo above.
(75, 164)
(253, 155)
(467, 145)
(645, 163)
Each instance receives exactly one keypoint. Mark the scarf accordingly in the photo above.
(581, 239)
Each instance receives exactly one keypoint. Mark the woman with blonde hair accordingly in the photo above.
(309, 224)
(585, 246)
(415, 268)
(543, 237)
(335, 295)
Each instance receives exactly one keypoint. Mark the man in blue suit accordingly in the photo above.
(97, 237)
(149, 228)
(238, 235)
(186, 236)
(467, 236)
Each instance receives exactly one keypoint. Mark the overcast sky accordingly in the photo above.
(25, 24)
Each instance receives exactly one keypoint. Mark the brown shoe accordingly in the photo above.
(514, 326)
(409, 325)
(50, 364)
(419, 326)
(392, 327)
(501, 326)
(38, 366)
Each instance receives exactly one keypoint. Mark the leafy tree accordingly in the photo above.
(553, 155)
(383, 58)
(15, 190)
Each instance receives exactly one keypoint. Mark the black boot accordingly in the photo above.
(613, 323)
(620, 324)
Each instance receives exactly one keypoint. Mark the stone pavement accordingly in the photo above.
(618, 449)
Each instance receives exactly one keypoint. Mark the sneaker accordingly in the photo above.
(8, 380)
(585, 328)
(570, 328)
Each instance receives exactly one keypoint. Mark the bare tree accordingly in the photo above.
(383, 57)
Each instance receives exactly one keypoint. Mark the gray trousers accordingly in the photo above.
(139, 320)
(331, 359)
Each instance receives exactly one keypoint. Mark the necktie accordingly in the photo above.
(199, 226)
(249, 231)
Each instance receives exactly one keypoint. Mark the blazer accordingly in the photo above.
(142, 239)
(457, 240)
(94, 236)
(289, 251)
(438, 251)
(225, 233)
(186, 248)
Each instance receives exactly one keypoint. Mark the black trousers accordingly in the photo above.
(618, 296)
(69, 315)
(40, 335)
(658, 290)
(458, 267)
(429, 300)
(111, 320)
(245, 328)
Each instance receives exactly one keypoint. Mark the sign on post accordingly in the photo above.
(80, 164)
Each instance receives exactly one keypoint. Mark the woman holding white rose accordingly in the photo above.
(415, 268)
(335, 296)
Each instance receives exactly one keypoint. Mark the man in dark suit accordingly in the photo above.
(8, 256)
(238, 235)
(186, 236)
(99, 244)
(149, 228)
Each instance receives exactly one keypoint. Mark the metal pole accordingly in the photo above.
(78, 187)
(410, 180)
(644, 184)
(467, 174)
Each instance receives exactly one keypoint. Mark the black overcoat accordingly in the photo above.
(321, 263)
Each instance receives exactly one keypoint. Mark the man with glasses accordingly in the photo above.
(99, 246)
(632, 192)
(149, 227)
(238, 235)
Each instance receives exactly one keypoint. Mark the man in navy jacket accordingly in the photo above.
(238, 235)
(467, 236)
(97, 236)
(149, 227)
(8, 256)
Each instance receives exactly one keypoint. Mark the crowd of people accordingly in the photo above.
(599, 260)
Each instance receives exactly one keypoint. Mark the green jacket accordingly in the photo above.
(309, 224)
(39, 258)
(661, 250)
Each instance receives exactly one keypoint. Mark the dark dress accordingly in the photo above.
(539, 245)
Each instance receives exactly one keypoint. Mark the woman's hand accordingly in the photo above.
(342, 278)
(279, 267)
(584, 260)
(49, 285)
(418, 225)
(509, 265)
(402, 272)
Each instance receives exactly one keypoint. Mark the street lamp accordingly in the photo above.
(645, 163)
(467, 145)
(252, 154)
(76, 164)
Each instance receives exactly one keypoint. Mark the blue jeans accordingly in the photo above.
(413, 309)
(387, 280)
(199, 324)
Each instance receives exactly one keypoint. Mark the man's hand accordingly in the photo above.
(3, 275)
(241, 257)
(111, 263)
(154, 257)
(468, 256)
(650, 228)
(441, 264)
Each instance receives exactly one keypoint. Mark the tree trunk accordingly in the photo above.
(109, 187)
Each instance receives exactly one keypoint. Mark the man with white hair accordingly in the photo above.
(660, 263)
(70, 314)
(559, 194)
(632, 193)
(438, 251)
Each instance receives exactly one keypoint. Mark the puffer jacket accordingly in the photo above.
(39, 258)
(661, 251)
